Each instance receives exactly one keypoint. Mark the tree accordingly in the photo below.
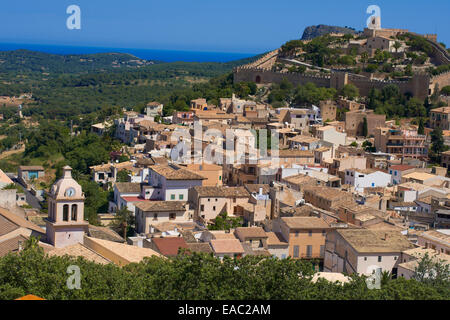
(421, 128)
(397, 45)
(432, 270)
(122, 176)
(124, 222)
(224, 222)
(350, 91)
(365, 128)
(437, 144)
(445, 91)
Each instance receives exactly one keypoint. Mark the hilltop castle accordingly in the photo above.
(421, 85)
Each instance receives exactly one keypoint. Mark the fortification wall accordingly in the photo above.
(265, 76)
(441, 81)
(418, 86)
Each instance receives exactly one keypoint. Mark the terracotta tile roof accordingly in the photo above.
(105, 233)
(293, 153)
(227, 246)
(305, 223)
(222, 192)
(31, 168)
(254, 188)
(372, 241)
(13, 219)
(79, 250)
(4, 178)
(158, 206)
(154, 103)
(304, 139)
(200, 247)
(244, 233)
(276, 239)
(401, 167)
(128, 187)
(125, 251)
(7, 226)
(170, 173)
(250, 251)
(169, 246)
(11, 245)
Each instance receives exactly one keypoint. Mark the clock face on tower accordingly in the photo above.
(70, 192)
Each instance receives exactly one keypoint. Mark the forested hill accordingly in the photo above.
(24, 61)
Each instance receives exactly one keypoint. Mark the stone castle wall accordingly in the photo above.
(418, 86)
(440, 81)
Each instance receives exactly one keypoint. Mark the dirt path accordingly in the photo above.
(6, 154)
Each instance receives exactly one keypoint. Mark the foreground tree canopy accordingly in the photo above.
(192, 276)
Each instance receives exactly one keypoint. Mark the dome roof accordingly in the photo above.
(60, 188)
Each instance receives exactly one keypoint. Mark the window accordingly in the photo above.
(296, 234)
(324, 233)
(310, 233)
(66, 212)
(180, 197)
(379, 258)
(172, 197)
(365, 258)
(220, 178)
(309, 251)
(74, 212)
(172, 216)
(296, 251)
(202, 207)
(155, 216)
(214, 208)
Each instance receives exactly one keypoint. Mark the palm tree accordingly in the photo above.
(364, 58)
(123, 221)
(397, 46)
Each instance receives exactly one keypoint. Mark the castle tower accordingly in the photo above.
(65, 223)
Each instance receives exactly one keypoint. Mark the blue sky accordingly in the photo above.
(250, 26)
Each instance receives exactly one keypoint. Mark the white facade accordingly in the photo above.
(361, 180)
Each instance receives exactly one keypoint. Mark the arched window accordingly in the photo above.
(66, 212)
(74, 212)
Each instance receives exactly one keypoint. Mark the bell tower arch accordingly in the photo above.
(65, 221)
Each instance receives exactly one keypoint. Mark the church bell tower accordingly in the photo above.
(65, 222)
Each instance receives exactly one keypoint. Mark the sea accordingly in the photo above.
(146, 54)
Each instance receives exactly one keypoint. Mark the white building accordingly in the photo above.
(362, 251)
(367, 178)
(173, 182)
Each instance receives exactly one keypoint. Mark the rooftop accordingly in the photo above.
(305, 223)
(222, 192)
(158, 206)
(227, 246)
(128, 187)
(374, 241)
(170, 173)
(169, 246)
(79, 250)
(244, 233)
